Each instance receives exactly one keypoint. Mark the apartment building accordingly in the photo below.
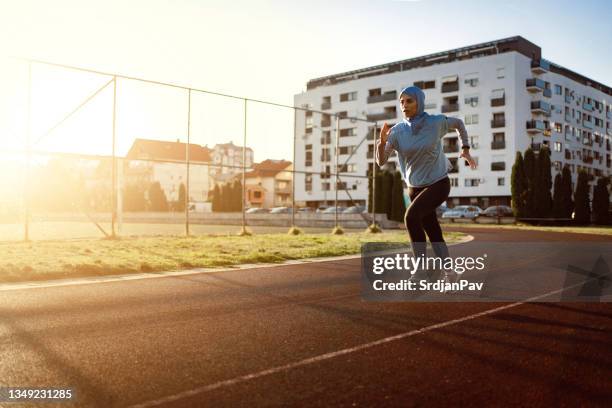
(508, 96)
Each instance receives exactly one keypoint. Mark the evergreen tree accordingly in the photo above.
(519, 186)
(157, 198)
(601, 202)
(398, 205)
(237, 196)
(225, 198)
(134, 198)
(180, 204)
(544, 184)
(531, 175)
(216, 199)
(581, 199)
(558, 204)
(379, 199)
(566, 188)
(387, 193)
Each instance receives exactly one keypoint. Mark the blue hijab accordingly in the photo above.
(417, 121)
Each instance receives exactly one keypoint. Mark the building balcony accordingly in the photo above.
(540, 107)
(568, 99)
(285, 190)
(568, 118)
(498, 144)
(535, 85)
(588, 107)
(587, 124)
(547, 93)
(451, 107)
(370, 155)
(498, 101)
(326, 123)
(609, 115)
(535, 126)
(450, 87)
(454, 148)
(587, 159)
(387, 96)
(373, 117)
(539, 67)
(497, 123)
(325, 158)
(326, 105)
(609, 131)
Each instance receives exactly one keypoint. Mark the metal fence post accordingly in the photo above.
(336, 181)
(187, 158)
(26, 184)
(114, 163)
(244, 169)
(293, 172)
(374, 179)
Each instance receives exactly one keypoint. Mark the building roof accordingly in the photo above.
(230, 145)
(516, 43)
(268, 168)
(146, 149)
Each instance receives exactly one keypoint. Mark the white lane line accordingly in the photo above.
(116, 278)
(334, 354)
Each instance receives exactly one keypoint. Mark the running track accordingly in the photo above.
(300, 335)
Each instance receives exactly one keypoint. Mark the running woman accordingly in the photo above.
(424, 167)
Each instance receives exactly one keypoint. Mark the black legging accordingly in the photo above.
(421, 217)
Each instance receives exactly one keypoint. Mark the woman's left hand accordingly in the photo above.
(465, 153)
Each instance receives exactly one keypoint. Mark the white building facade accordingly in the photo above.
(506, 94)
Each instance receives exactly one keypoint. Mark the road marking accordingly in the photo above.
(155, 275)
(334, 354)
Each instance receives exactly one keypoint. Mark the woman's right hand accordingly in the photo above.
(384, 133)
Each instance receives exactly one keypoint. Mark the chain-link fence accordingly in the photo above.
(94, 154)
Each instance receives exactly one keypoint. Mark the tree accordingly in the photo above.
(180, 204)
(558, 204)
(387, 193)
(519, 186)
(216, 199)
(134, 198)
(236, 196)
(398, 206)
(566, 189)
(601, 202)
(157, 198)
(379, 199)
(543, 199)
(581, 199)
(531, 175)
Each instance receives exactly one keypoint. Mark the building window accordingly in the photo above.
(471, 100)
(558, 147)
(348, 132)
(471, 119)
(474, 142)
(558, 90)
(308, 159)
(346, 149)
(325, 186)
(498, 166)
(350, 96)
(558, 127)
(471, 182)
(430, 105)
(343, 115)
(425, 84)
(308, 182)
(454, 181)
(471, 80)
(501, 181)
(501, 73)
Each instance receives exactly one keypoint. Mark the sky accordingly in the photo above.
(265, 50)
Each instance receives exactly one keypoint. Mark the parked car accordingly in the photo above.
(441, 210)
(305, 210)
(463, 211)
(281, 210)
(356, 209)
(498, 211)
(255, 210)
(332, 210)
(322, 208)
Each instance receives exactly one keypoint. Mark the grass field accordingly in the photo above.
(22, 261)
(527, 227)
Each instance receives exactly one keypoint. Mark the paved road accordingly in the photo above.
(300, 335)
